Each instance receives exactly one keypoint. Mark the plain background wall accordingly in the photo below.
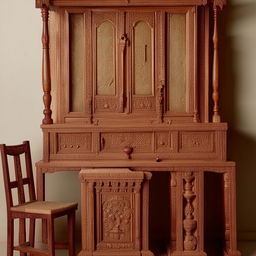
(21, 98)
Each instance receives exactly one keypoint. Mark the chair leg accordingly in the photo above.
(71, 233)
(51, 241)
(10, 237)
(22, 234)
(32, 232)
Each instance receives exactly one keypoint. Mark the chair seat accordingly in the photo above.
(44, 207)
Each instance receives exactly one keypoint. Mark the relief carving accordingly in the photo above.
(197, 142)
(116, 219)
(189, 223)
(143, 103)
(74, 143)
(106, 105)
(163, 142)
(140, 142)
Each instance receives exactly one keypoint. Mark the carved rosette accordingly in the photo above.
(189, 224)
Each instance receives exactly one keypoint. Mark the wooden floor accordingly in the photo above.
(247, 249)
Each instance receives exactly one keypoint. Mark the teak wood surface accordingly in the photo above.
(140, 132)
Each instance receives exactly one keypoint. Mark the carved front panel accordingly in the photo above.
(164, 142)
(68, 143)
(190, 142)
(115, 142)
(105, 104)
(144, 103)
(116, 220)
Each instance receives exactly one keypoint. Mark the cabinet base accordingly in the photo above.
(115, 253)
(232, 253)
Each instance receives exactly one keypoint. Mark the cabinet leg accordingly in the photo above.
(229, 179)
(40, 182)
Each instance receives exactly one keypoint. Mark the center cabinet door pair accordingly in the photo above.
(136, 61)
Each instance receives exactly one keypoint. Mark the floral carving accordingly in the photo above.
(145, 103)
(116, 218)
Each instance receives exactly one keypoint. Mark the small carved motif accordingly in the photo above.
(106, 105)
(197, 142)
(163, 143)
(143, 103)
(76, 143)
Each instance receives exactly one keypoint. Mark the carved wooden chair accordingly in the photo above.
(31, 209)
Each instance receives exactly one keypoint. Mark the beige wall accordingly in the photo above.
(21, 104)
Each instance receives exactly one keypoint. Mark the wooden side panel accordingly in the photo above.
(177, 62)
(77, 61)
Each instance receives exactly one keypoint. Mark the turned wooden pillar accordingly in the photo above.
(217, 4)
(46, 77)
(189, 216)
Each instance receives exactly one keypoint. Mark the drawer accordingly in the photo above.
(203, 142)
(166, 142)
(141, 142)
(74, 143)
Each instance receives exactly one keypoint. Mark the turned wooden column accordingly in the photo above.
(189, 218)
(217, 4)
(46, 77)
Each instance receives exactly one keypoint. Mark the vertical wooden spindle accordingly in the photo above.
(215, 78)
(46, 79)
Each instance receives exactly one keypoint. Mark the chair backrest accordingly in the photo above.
(19, 182)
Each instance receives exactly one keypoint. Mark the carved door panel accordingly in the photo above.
(141, 62)
(107, 91)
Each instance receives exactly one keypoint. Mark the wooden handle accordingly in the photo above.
(123, 44)
(128, 151)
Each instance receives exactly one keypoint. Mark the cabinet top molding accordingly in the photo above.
(102, 3)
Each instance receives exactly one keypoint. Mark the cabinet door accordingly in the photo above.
(106, 88)
(180, 62)
(141, 62)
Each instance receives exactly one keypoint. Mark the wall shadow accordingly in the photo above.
(241, 146)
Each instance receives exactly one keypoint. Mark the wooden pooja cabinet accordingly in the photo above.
(130, 84)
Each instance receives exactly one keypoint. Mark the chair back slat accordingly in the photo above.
(18, 175)
(20, 182)
(29, 170)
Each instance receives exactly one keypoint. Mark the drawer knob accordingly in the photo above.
(128, 151)
(106, 105)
